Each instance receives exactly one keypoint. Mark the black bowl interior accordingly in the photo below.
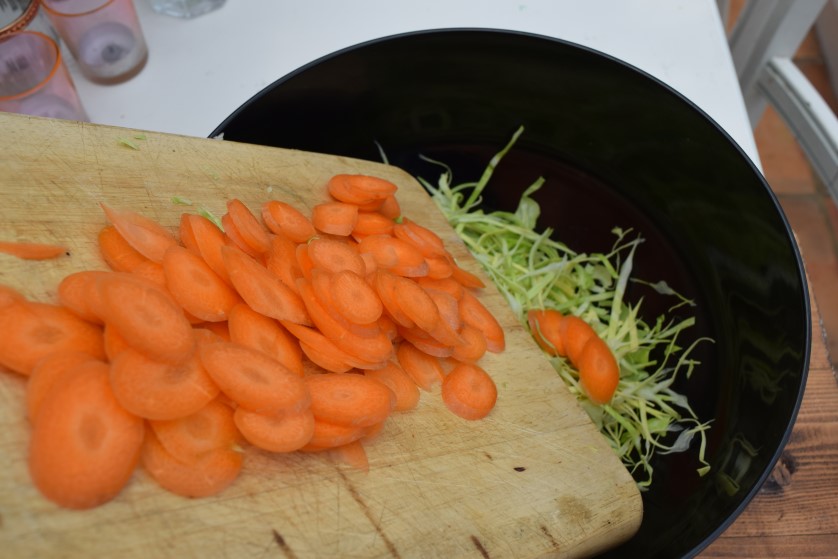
(618, 148)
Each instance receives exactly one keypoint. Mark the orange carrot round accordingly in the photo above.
(396, 379)
(475, 313)
(599, 373)
(248, 227)
(78, 292)
(117, 253)
(349, 399)
(473, 346)
(84, 445)
(335, 255)
(372, 223)
(354, 299)
(257, 331)
(209, 240)
(283, 218)
(33, 251)
(281, 432)
(469, 392)
(195, 286)
(545, 326)
(208, 428)
(331, 435)
(145, 235)
(361, 190)
(424, 369)
(575, 333)
(334, 218)
(46, 373)
(394, 254)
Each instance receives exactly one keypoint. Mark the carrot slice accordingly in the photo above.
(349, 399)
(335, 218)
(150, 271)
(466, 278)
(207, 475)
(390, 207)
(424, 369)
(158, 390)
(208, 428)
(117, 253)
(385, 286)
(210, 239)
(148, 237)
(469, 392)
(252, 379)
(439, 267)
(354, 299)
(283, 218)
(304, 262)
(352, 454)
(235, 238)
(114, 342)
(473, 347)
(46, 373)
(248, 227)
(394, 254)
(575, 333)
(402, 385)
(78, 292)
(84, 446)
(146, 317)
(282, 432)
(448, 285)
(328, 357)
(331, 435)
(219, 329)
(417, 304)
(9, 295)
(545, 328)
(475, 314)
(599, 373)
(450, 322)
(30, 331)
(33, 251)
(359, 189)
(425, 240)
(263, 291)
(187, 235)
(372, 223)
(425, 343)
(195, 287)
(335, 255)
(281, 260)
(257, 331)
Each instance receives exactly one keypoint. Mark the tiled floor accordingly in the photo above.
(809, 208)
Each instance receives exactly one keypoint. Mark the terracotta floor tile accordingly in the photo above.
(818, 76)
(784, 164)
(811, 224)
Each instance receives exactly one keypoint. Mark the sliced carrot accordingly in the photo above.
(46, 372)
(425, 240)
(349, 399)
(207, 475)
(476, 314)
(208, 428)
(114, 342)
(575, 333)
(145, 235)
(150, 271)
(335, 218)
(448, 285)
(395, 255)
(84, 446)
(30, 331)
(599, 373)
(159, 390)
(473, 346)
(331, 435)
(282, 260)
(450, 321)
(354, 299)
(219, 329)
(304, 262)
(388, 326)
(283, 218)
(252, 379)
(78, 292)
(360, 189)
(545, 328)
(425, 343)
(466, 278)
(33, 251)
(281, 432)
(352, 454)
(390, 207)
(372, 223)
(248, 227)
(402, 385)
(117, 253)
(187, 235)
(209, 239)
(415, 302)
(235, 238)
(9, 295)
(257, 331)
(439, 267)
(424, 369)
(321, 283)
(146, 317)
(328, 357)
(469, 392)
(262, 290)
(196, 288)
(335, 255)
(385, 286)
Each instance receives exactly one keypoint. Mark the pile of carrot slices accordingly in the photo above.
(287, 331)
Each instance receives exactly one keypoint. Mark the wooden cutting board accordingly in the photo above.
(533, 479)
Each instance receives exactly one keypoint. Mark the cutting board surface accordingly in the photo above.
(532, 479)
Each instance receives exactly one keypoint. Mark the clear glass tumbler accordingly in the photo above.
(185, 8)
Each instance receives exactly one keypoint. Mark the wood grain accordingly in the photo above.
(533, 479)
(794, 514)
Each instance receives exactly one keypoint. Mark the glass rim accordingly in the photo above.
(55, 12)
(48, 77)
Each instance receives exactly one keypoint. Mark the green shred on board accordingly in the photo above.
(534, 271)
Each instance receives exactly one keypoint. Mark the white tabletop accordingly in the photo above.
(201, 70)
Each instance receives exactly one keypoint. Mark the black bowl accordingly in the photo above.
(617, 147)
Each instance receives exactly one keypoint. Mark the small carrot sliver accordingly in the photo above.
(208, 428)
(469, 392)
(117, 253)
(146, 317)
(84, 446)
(257, 331)
(145, 235)
(207, 475)
(196, 287)
(281, 432)
(599, 373)
(545, 328)
(335, 218)
(46, 372)
(252, 379)
(424, 369)
(283, 218)
(33, 251)
(402, 385)
(475, 313)
(349, 399)
(263, 291)
(158, 390)
(248, 227)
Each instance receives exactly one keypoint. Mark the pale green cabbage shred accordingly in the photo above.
(534, 271)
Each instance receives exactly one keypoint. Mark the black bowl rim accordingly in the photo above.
(723, 526)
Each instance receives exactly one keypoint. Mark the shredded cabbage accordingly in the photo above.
(533, 270)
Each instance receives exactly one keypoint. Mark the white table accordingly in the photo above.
(201, 70)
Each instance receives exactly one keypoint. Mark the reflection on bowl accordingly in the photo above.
(616, 147)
